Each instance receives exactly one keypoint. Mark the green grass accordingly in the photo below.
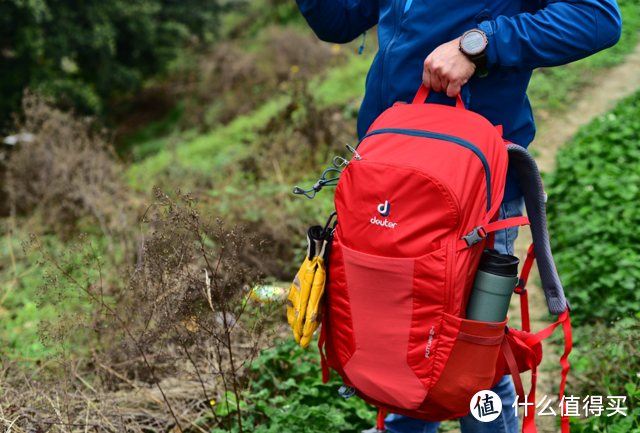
(23, 304)
(208, 155)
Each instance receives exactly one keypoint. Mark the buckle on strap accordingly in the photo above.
(519, 289)
(475, 236)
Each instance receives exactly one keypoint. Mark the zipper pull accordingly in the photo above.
(352, 150)
(364, 35)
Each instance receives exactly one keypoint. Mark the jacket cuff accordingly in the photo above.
(488, 27)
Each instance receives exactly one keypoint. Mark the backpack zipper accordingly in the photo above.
(444, 137)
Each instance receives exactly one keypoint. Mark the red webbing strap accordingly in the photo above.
(513, 369)
(528, 423)
(487, 228)
(564, 362)
(381, 416)
(524, 312)
(323, 359)
(524, 297)
(423, 92)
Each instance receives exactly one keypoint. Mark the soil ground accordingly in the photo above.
(607, 89)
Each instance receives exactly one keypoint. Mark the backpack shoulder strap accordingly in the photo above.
(527, 169)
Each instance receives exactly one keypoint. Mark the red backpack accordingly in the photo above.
(416, 205)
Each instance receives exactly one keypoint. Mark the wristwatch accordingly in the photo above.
(474, 43)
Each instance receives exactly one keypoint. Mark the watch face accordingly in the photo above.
(473, 43)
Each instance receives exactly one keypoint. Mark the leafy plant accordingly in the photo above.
(606, 362)
(287, 395)
(593, 211)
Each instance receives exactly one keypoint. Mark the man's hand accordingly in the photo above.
(447, 69)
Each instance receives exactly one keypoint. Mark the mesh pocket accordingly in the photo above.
(471, 365)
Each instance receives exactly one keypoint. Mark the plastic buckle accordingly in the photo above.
(520, 289)
(346, 391)
(475, 236)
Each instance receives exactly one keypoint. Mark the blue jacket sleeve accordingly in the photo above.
(339, 21)
(562, 32)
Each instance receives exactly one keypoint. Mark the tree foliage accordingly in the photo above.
(84, 51)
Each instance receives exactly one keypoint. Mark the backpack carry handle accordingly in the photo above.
(423, 92)
(534, 198)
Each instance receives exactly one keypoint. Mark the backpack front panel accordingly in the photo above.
(381, 295)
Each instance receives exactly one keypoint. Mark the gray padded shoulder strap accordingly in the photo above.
(527, 169)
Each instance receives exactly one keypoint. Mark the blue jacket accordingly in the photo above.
(523, 35)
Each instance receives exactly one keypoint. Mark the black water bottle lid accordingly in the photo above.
(503, 265)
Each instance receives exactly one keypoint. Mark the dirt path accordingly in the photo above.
(607, 89)
(616, 84)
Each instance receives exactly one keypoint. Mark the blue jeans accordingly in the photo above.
(506, 422)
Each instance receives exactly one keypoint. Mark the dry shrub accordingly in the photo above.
(230, 81)
(65, 169)
(166, 338)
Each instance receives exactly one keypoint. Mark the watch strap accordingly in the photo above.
(481, 64)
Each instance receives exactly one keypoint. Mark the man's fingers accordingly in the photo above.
(454, 87)
(426, 78)
(436, 84)
(444, 81)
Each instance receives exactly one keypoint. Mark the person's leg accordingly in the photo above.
(403, 424)
(506, 422)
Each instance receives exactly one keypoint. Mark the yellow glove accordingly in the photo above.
(313, 316)
(308, 286)
(299, 296)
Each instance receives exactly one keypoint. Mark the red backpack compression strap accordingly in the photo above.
(521, 289)
(568, 344)
(529, 425)
(483, 230)
(381, 416)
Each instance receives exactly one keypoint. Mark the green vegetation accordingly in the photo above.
(606, 362)
(287, 389)
(593, 208)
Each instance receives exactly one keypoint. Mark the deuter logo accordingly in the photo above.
(384, 208)
(431, 334)
(384, 223)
